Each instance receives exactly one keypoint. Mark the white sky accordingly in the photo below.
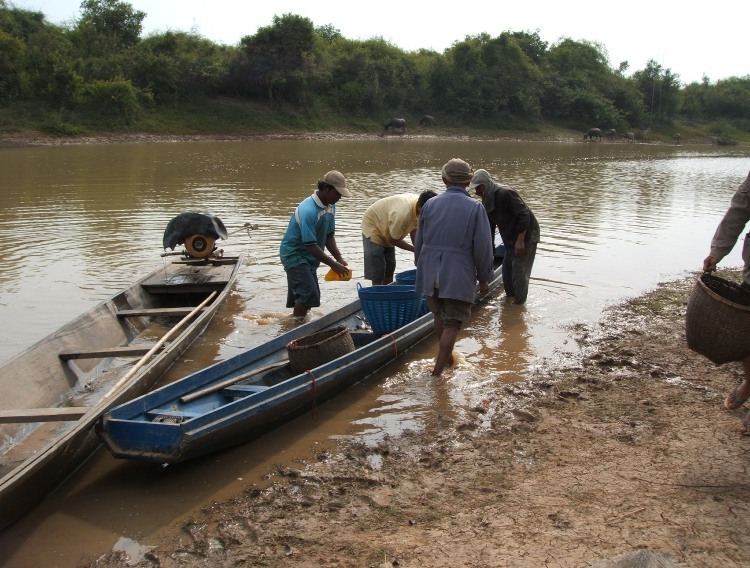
(690, 39)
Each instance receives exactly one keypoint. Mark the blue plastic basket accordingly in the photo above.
(389, 307)
(407, 277)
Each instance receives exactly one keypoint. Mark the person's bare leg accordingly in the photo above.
(741, 393)
(445, 351)
(300, 311)
(744, 391)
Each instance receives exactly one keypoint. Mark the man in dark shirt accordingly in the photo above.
(519, 231)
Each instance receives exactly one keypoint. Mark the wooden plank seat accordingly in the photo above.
(157, 312)
(125, 351)
(23, 415)
(241, 391)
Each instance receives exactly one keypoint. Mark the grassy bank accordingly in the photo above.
(242, 118)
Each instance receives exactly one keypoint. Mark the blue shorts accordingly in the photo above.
(302, 286)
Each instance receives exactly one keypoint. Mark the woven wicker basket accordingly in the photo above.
(717, 322)
(319, 348)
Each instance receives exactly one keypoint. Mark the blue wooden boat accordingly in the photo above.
(237, 399)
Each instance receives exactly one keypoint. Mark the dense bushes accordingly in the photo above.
(101, 65)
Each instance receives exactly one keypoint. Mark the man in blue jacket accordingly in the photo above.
(453, 250)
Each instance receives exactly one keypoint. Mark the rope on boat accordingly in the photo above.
(314, 392)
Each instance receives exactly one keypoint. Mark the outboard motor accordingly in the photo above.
(197, 231)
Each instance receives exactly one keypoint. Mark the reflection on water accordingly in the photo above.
(78, 223)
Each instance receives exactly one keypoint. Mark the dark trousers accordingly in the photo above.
(517, 272)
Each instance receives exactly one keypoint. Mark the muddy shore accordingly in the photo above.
(625, 453)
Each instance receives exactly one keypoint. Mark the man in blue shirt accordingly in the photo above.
(309, 233)
(453, 250)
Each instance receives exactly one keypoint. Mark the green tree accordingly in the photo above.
(532, 45)
(581, 88)
(176, 66)
(484, 77)
(35, 59)
(694, 99)
(117, 100)
(11, 50)
(277, 62)
(659, 88)
(371, 77)
(107, 27)
(729, 98)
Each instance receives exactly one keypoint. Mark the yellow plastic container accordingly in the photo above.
(332, 275)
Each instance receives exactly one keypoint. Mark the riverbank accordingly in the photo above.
(36, 139)
(627, 450)
(546, 133)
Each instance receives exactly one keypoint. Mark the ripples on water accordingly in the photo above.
(79, 223)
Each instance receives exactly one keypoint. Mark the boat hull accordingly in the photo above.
(89, 365)
(210, 410)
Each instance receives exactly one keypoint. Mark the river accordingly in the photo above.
(80, 222)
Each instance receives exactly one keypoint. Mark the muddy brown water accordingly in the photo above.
(78, 223)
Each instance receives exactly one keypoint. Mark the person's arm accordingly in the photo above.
(709, 263)
(340, 265)
(336, 263)
(402, 244)
(399, 222)
(520, 213)
(729, 229)
(520, 246)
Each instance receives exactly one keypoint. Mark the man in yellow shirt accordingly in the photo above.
(385, 225)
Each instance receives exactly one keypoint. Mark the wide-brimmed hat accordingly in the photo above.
(337, 180)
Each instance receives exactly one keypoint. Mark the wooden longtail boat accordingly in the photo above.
(54, 391)
(241, 397)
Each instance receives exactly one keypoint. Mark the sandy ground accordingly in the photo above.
(623, 457)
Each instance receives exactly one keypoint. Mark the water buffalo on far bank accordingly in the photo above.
(593, 133)
(426, 120)
(629, 136)
(396, 124)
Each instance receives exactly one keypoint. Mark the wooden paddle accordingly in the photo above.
(157, 346)
(233, 380)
